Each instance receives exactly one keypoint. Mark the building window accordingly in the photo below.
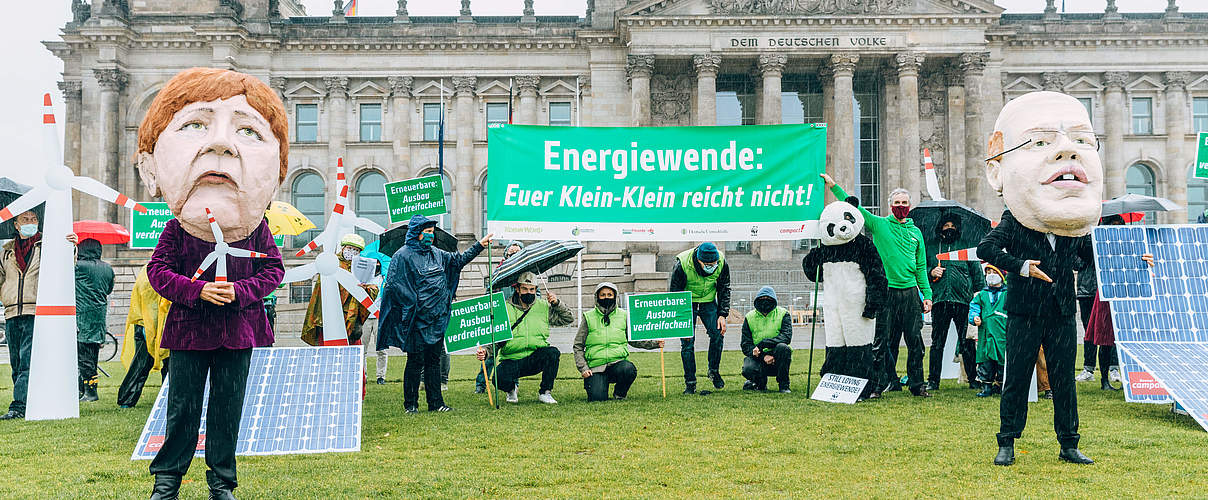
(307, 123)
(1089, 104)
(800, 99)
(1199, 114)
(1142, 115)
(482, 188)
(1140, 180)
(735, 100)
(370, 202)
(431, 121)
(497, 114)
(1197, 196)
(307, 196)
(371, 122)
(445, 221)
(559, 114)
(867, 118)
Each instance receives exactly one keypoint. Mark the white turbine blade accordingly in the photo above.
(23, 203)
(240, 252)
(214, 226)
(315, 243)
(50, 133)
(341, 188)
(95, 188)
(369, 225)
(933, 183)
(220, 272)
(205, 264)
(334, 332)
(349, 282)
(300, 273)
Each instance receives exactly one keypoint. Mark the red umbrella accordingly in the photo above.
(1132, 216)
(104, 232)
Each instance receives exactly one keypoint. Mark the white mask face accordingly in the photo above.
(349, 253)
(993, 279)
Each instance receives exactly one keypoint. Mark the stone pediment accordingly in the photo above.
(809, 7)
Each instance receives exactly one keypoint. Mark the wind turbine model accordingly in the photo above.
(220, 253)
(327, 265)
(53, 375)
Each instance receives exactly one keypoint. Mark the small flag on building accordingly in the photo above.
(350, 7)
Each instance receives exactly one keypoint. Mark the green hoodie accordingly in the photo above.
(901, 247)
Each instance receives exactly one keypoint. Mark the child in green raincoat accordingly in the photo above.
(987, 313)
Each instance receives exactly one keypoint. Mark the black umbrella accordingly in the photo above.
(930, 214)
(10, 190)
(536, 258)
(392, 240)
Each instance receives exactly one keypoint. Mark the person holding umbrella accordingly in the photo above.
(528, 352)
(601, 348)
(480, 382)
(704, 272)
(953, 284)
(94, 283)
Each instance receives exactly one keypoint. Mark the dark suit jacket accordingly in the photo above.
(1010, 244)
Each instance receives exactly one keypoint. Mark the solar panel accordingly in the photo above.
(1121, 272)
(298, 400)
(1180, 368)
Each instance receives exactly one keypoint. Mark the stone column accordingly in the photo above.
(977, 137)
(112, 82)
(463, 89)
(72, 97)
(771, 68)
(908, 64)
(955, 178)
(337, 124)
(400, 125)
(707, 66)
(843, 164)
(1176, 141)
(1114, 124)
(826, 75)
(640, 68)
(891, 137)
(527, 87)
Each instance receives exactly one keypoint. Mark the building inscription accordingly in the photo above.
(806, 41)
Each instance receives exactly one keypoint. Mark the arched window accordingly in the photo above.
(445, 221)
(1197, 195)
(370, 202)
(482, 188)
(307, 197)
(1140, 180)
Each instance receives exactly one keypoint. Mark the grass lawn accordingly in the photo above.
(727, 444)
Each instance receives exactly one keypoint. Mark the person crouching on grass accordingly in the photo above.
(529, 352)
(766, 334)
(602, 347)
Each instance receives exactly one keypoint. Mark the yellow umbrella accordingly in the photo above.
(283, 218)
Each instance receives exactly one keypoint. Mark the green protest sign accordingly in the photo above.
(421, 195)
(146, 228)
(654, 316)
(1201, 156)
(757, 182)
(471, 322)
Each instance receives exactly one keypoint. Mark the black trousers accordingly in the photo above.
(1025, 336)
(87, 354)
(423, 364)
(902, 316)
(19, 334)
(444, 367)
(1089, 349)
(227, 373)
(622, 373)
(942, 314)
(758, 372)
(707, 313)
(136, 377)
(544, 361)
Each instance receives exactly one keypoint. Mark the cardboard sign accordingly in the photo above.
(656, 316)
(835, 388)
(1201, 156)
(471, 322)
(363, 267)
(146, 228)
(422, 195)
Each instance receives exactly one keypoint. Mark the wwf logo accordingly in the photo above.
(754, 230)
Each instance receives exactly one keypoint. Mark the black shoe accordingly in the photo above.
(785, 390)
(219, 489)
(124, 407)
(619, 398)
(986, 392)
(874, 395)
(932, 386)
(381, 381)
(442, 408)
(166, 487)
(1005, 456)
(1047, 394)
(89, 394)
(748, 386)
(411, 410)
(690, 389)
(480, 390)
(922, 393)
(718, 383)
(12, 414)
(892, 388)
(1106, 385)
(976, 386)
(1073, 456)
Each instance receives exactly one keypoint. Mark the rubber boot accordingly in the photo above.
(89, 391)
(167, 487)
(219, 489)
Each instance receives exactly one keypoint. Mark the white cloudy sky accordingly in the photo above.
(32, 70)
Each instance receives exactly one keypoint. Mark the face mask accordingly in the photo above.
(709, 268)
(528, 298)
(993, 280)
(28, 230)
(765, 306)
(949, 235)
(349, 253)
(607, 303)
(900, 211)
(427, 238)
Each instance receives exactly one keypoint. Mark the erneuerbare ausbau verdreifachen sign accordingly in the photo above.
(755, 182)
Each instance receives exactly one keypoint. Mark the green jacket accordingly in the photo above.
(532, 332)
(900, 245)
(961, 279)
(94, 283)
(992, 334)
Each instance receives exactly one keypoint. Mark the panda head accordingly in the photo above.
(840, 222)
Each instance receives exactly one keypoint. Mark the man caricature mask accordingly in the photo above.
(214, 139)
(1050, 175)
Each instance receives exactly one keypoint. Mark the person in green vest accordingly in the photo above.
(602, 347)
(766, 334)
(986, 312)
(528, 352)
(704, 272)
(900, 244)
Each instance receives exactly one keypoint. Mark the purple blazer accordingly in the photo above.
(196, 325)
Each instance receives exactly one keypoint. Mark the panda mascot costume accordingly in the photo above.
(855, 290)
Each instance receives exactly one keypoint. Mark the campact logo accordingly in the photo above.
(645, 230)
(793, 230)
(1143, 384)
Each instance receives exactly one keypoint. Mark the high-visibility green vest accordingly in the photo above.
(765, 327)
(606, 343)
(703, 288)
(531, 334)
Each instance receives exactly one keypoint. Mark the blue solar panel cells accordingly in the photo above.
(1121, 272)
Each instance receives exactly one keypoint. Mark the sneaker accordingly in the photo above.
(618, 398)
(513, 395)
(480, 390)
(12, 414)
(933, 386)
(785, 390)
(1085, 376)
(748, 386)
(690, 389)
(411, 410)
(125, 406)
(986, 392)
(547, 398)
(1114, 373)
(444, 387)
(381, 381)
(718, 383)
(443, 408)
(1047, 395)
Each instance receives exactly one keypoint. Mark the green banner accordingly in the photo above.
(654, 316)
(146, 228)
(421, 195)
(757, 182)
(471, 322)
(1201, 156)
